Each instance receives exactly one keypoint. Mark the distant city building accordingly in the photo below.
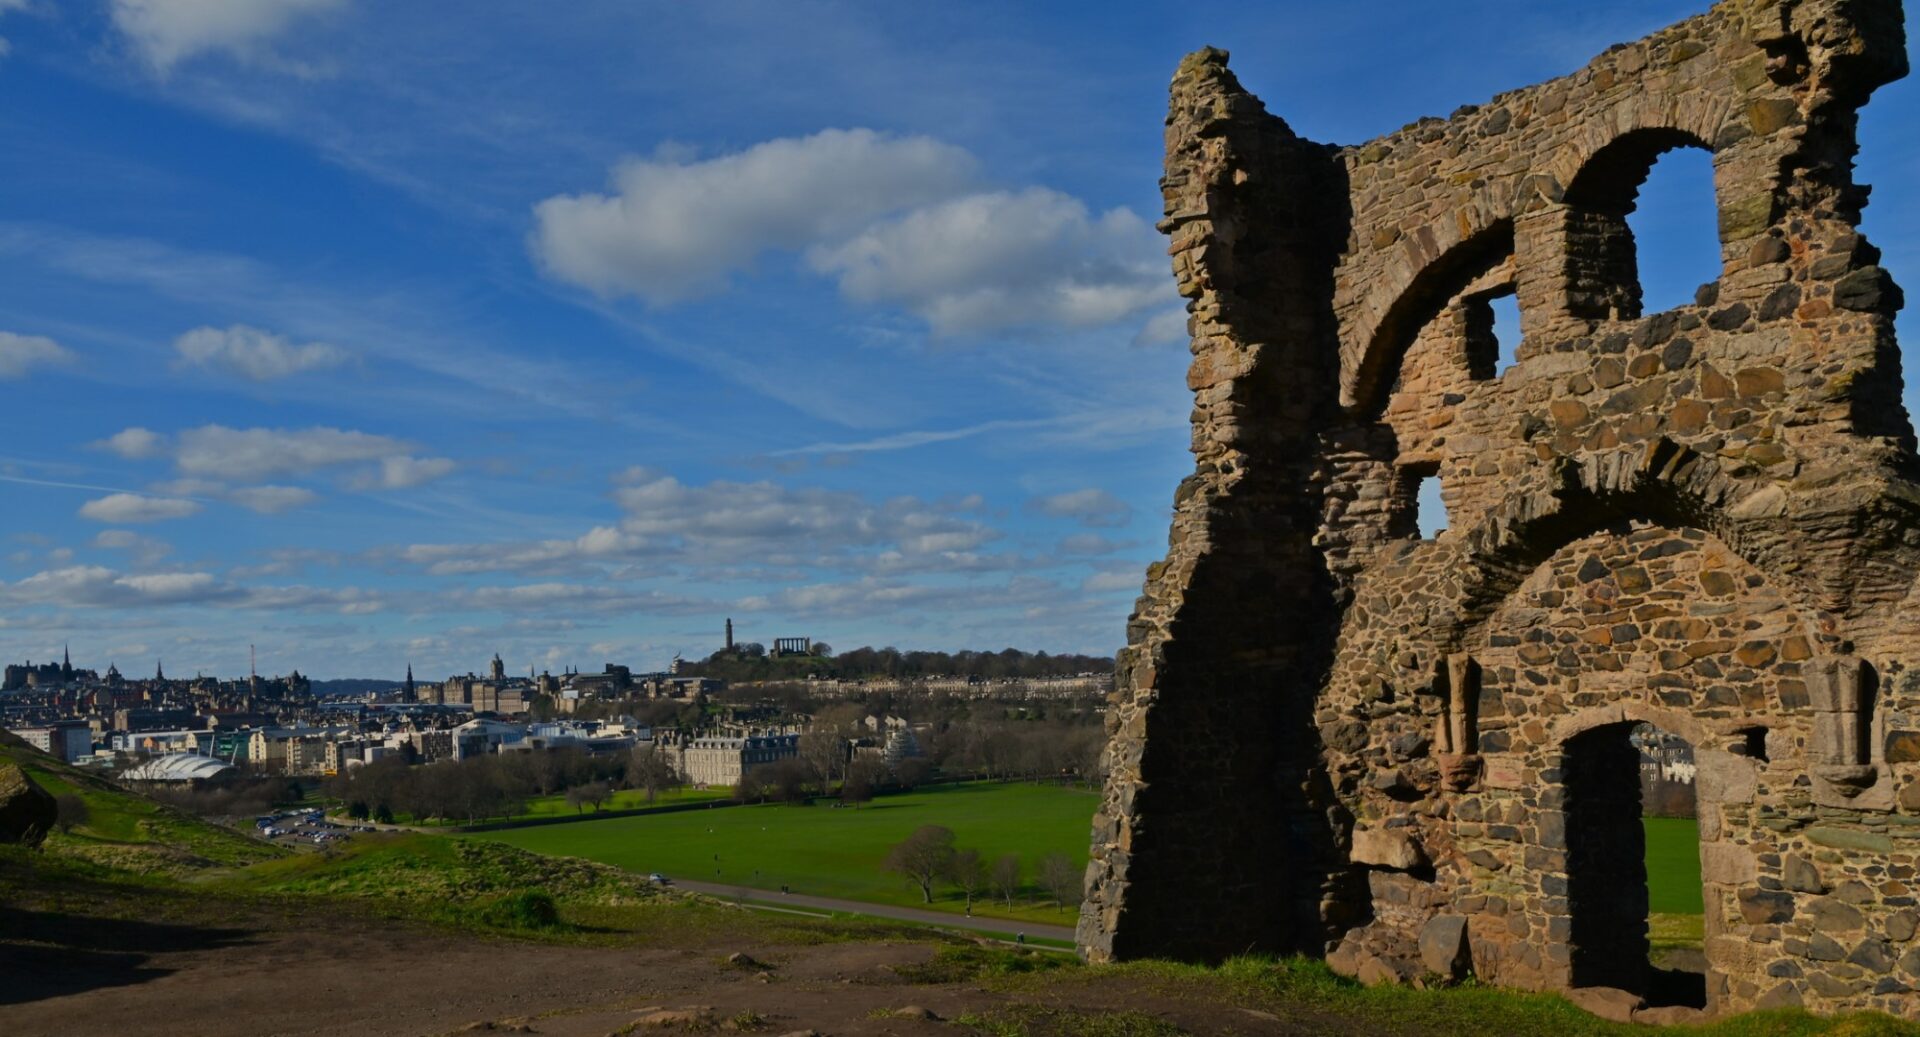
(722, 760)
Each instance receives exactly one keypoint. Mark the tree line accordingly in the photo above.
(498, 784)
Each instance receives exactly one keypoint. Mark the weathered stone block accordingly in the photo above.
(1444, 949)
(1388, 848)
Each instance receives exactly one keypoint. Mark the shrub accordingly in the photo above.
(527, 909)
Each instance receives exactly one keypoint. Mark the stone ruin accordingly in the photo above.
(1331, 736)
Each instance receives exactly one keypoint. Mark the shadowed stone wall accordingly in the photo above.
(1331, 736)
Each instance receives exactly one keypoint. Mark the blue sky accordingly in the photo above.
(376, 333)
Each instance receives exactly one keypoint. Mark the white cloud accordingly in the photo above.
(5, 6)
(404, 471)
(272, 500)
(135, 443)
(96, 586)
(601, 543)
(1102, 582)
(1092, 544)
(22, 353)
(1004, 259)
(167, 32)
(187, 488)
(132, 507)
(1091, 507)
(766, 523)
(674, 229)
(727, 529)
(210, 455)
(254, 453)
(254, 354)
(1166, 328)
(144, 550)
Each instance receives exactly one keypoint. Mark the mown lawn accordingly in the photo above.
(623, 799)
(836, 852)
(1673, 866)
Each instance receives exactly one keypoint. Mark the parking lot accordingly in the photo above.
(304, 828)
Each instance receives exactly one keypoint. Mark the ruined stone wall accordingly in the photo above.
(1371, 744)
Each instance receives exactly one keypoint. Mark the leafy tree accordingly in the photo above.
(357, 810)
(1062, 881)
(1007, 877)
(968, 873)
(383, 814)
(70, 810)
(923, 857)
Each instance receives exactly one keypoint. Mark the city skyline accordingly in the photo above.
(371, 338)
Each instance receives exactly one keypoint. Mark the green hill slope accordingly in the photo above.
(128, 831)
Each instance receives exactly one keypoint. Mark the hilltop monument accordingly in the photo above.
(1332, 736)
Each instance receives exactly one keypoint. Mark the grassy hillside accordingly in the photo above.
(128, 831)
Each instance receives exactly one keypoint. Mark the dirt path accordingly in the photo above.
(312, 973)
(937, 919)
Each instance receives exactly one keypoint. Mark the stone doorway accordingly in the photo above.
(1606, 775)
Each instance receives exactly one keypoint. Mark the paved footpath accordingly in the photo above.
(941, 919)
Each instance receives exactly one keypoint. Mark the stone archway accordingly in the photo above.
(1608, 880)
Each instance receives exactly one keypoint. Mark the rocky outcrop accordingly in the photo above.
(27, 812)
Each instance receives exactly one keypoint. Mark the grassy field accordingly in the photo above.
(824, 851)
(1673, 866)
(556, 806)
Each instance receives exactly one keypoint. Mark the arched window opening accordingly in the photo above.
(1433, 291)
(1493, 332)
(1418, 511)
(1641, 226)
(1633, 864)
(1675, 229)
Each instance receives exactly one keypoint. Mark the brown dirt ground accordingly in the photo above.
(307, 971)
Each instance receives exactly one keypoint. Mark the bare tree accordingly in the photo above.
(1007, 877)
(752, 786)
(1061, 879)
(789, 779)
(70, 810)
(825, 754)
(862, 776)
(650, 768)
(968, 873)
(923, 857)
(912, 772)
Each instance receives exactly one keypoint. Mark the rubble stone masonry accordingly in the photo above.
(1332, 736)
